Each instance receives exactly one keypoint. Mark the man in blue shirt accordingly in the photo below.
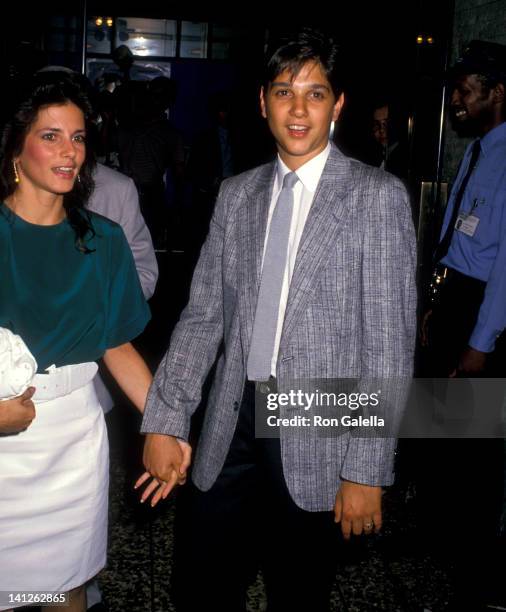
(460, 492)
(477, 248)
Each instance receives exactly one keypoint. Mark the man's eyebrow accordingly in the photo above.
(310, 86)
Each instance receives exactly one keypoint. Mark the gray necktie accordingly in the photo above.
(273, 271)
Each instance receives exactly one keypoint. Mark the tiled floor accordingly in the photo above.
(377, 574)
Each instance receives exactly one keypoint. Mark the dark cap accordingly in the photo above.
(480, 57)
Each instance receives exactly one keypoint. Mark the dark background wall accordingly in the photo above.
(473, 19)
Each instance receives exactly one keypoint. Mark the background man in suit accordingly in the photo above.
(391, 153)
(307, 272)
(116, 198)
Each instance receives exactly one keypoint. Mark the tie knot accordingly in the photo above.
(289, 180)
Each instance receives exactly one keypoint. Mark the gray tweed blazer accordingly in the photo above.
(350, 313)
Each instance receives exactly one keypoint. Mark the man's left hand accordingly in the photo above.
(358, 508)
(472, 362)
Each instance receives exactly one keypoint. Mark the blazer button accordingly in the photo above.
(236, 406)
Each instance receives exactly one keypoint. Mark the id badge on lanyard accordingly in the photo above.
(468, 222)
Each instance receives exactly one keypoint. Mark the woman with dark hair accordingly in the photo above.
(69, 295)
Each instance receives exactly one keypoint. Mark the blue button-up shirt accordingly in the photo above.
(483, 255)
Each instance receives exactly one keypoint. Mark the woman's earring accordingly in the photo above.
(78, 178)
(16, 175)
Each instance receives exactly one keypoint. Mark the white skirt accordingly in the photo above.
(53, 488)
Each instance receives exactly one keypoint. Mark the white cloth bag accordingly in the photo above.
(17, 365)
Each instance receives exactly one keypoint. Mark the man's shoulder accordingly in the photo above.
(114, 194)
(373, 190)
(358, 176)
(234, 188)
(372, 177)
(106, 177)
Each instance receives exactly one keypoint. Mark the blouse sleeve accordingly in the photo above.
(128, 312)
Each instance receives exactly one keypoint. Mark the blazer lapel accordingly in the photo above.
(259, 193)
(323, 226)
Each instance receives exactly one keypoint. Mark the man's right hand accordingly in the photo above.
(18, 413)
(166, 459)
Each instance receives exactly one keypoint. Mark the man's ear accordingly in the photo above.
(499, 93)
(338, 107)
(262, 103)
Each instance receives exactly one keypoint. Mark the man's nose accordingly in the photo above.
(455, 97)
(299, 106)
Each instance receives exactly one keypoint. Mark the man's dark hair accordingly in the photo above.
(42, 90)
(308, 46)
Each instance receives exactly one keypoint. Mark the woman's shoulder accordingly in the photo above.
(5, 218)
(103, 225)
(4, 213)
(107, 234)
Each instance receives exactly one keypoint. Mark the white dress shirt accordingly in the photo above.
(303, 194)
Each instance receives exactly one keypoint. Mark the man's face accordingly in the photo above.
(471, 106)
(380, 125)
(299, 112)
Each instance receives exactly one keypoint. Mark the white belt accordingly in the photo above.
(62, 381)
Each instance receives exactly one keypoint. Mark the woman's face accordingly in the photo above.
(54, 149)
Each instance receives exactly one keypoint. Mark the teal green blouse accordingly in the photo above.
(67, 306)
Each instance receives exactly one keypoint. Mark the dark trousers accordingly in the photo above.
(247, 521)
(460, 481)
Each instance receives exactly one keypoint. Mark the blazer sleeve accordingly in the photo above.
(177, 386)
(139, 239)
(389, 301)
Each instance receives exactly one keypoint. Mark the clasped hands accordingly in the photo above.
(166, 459)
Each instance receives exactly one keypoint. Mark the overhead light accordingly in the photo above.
(430, 40)
(99, 21)
(109, 21)
(419, 39)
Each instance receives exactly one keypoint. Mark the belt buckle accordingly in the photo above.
(262, 387)
(266, 386)
(439, 277)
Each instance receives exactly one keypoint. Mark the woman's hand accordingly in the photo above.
(18, 413)
(159, 489)
(166, 459)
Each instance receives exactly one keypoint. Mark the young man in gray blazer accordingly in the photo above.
(308, 272)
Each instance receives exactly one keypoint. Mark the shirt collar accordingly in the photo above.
(491, 138)
(309, 174)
